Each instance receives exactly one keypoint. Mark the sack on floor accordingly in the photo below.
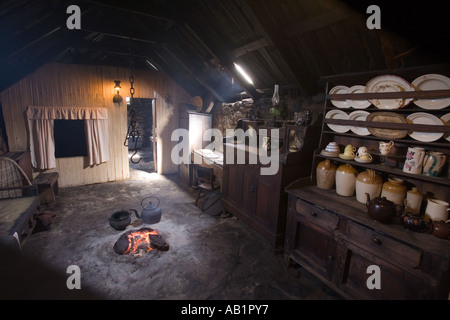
(44, 220)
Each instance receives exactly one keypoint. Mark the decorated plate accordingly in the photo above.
(388, 83)
(340, 103)
(358, 104)
(446, 120)
(337, 114)
(432, 82)
(425, 118)
(389, 117)
(359, 115)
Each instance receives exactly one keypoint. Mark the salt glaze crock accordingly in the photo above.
(326, 174)
(382, 209)
(368, 182)
(346, 180)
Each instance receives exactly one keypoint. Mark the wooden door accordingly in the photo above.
(154, 136)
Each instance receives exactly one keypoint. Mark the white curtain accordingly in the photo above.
(42, 142)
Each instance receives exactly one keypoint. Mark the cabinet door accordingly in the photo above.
(354, 278)
(309, 245)
(232, 184)
(266, 211)
(249, 189)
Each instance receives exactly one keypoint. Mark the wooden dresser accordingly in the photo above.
(333, 236)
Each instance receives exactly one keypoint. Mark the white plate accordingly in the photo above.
(359, 115)
(425, 118)
(388, 83)
(432, 82)
(446, 120)
(358, 104)
(340, 103)
(337, 114)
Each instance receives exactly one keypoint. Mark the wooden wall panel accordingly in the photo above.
(92, 86)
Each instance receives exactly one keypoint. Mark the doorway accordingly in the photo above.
(141, 135)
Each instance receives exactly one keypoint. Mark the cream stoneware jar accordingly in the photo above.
(368, 182)
(394, 190)
(346, 180)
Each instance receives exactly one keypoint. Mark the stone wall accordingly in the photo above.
(226, 115)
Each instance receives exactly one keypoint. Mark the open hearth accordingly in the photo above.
(138, 242)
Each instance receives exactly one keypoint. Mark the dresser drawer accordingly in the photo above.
(384, 246)
(317, 215)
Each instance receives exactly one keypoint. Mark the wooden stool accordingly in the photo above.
(47, 184)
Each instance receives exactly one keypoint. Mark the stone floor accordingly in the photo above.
(210, 257)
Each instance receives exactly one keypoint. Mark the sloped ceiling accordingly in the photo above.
(288, 42)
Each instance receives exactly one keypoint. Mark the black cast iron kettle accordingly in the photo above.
(151, 213)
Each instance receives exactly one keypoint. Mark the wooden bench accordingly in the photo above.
(47, 184)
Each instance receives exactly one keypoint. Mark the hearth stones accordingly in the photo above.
(145, 239)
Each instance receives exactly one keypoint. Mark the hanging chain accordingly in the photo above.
(131, 79)
(132, 128)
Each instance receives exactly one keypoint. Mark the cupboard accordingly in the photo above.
(333, 236)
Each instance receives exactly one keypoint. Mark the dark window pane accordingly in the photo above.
(70, 138)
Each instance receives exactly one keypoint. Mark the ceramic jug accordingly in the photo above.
(385, 147)
(433, 163)
(437, 210)
(413, 201)
(394, 190)
(326, 174)
(414, 159)
(346, 180)
(368, 182)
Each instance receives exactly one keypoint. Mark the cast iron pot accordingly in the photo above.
(119, 220)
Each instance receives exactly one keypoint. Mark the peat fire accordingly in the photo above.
(140, 241)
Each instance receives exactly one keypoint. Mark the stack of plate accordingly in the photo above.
(359, 115)
(446, 121)
(425, 118)
(337, 114)
(349, 103)
(388, 83)
(342, 104)
(432, 82)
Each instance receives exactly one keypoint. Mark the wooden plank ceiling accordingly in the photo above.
(288, 42)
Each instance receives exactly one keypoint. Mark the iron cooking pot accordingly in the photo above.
(119, 220)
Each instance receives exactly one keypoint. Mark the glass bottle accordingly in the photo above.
(276, 96)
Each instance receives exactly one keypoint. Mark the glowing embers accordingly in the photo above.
(140, 241)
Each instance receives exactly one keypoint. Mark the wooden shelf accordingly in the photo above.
(429, 94)
(391, 170)
(390, 125)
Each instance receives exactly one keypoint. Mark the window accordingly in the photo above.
(70, 138)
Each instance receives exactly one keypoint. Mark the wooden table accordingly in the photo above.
(215, 162)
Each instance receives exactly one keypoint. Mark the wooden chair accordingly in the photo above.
(14, 182)
(205, 181)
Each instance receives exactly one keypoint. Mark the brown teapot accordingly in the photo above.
(441, 229)
(382, 209)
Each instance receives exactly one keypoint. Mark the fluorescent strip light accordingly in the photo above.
(242, 72)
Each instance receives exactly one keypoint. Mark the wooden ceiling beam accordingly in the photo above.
(318, 22)
(250, 47)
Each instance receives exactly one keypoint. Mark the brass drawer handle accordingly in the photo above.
(377, 241)
(314, 214)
